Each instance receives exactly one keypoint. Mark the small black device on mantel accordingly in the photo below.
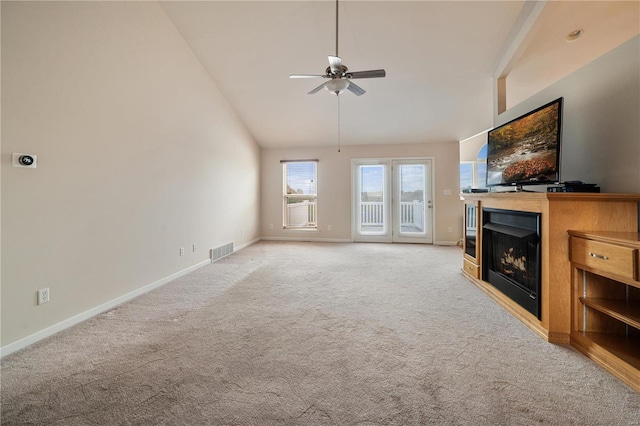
(574, 186)
(474, 190)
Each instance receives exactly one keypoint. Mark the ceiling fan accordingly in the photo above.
(339, 75)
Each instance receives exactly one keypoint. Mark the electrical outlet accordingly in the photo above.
(242, 231)
(328, 227)
(271, 226)
(181, 251)
(195, 247)
(450, 229)
(43, 296)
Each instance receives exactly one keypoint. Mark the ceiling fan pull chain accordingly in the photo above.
(338, 122)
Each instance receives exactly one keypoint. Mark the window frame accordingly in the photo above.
(311, 224)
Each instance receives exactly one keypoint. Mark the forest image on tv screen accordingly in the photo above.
(525, 150)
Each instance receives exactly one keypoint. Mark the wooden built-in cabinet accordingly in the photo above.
(560, 212)
(606, 300)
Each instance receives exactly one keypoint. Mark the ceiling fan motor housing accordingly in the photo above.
(343, 73)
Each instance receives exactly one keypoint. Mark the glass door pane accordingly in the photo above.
(411, 208)
(372, 199)
(412, 201)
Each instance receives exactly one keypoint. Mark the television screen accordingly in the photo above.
(526, 150)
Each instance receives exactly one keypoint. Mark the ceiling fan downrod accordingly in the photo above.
(337, 14)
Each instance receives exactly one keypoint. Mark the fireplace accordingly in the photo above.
(511, 255)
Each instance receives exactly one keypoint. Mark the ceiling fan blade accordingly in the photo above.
(305, 76)
(335, 63)
(354, 88)
(368, 74)
(319, 88)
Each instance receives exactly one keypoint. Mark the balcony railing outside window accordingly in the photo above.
(411, 216)
(301, 215)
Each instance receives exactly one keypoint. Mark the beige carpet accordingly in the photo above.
(312, 333)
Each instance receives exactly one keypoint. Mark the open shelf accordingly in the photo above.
(626, 311)
(624, 348)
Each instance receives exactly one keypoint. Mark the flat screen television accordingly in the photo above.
(526, 150)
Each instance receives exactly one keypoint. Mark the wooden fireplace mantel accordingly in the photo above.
(559, 213)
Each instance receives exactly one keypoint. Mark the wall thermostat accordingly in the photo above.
(25, 160)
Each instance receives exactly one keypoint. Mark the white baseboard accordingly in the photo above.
(62, 325)
(445, 243)
(339, 240)
(302, 239)
(246, 245)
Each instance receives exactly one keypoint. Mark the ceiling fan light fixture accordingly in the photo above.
(337, 85)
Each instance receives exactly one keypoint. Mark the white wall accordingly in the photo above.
(334, 188)
(601, 119)
(138, 154)
(469, 148)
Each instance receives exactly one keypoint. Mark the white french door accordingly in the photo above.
(412, 206)
(371, 200)
(392, 200)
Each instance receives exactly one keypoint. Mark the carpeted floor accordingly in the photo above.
(312, 334)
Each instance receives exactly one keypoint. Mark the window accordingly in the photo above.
(481, 168)
(473, 173)
(300, 191)
(466, 175)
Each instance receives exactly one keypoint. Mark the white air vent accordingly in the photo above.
(222, 251)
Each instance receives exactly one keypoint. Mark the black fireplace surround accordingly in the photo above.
(511, 255)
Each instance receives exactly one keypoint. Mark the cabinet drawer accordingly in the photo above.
(607, 258)
(470, 268)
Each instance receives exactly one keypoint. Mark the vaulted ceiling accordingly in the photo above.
(441, 58)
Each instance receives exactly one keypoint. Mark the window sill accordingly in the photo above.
(300, 229)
